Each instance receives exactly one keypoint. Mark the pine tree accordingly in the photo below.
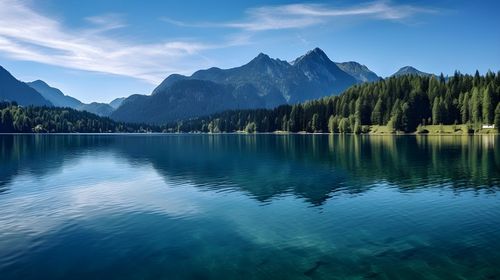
(344, 126)
(377, 116)
(251, 127)
(487, 106)
(436, 111)
(464, 110)
(357, 127)
(7, 121)
(332, 124)
(285, 126)
(497, 117)
(315, 125)
(475, 106)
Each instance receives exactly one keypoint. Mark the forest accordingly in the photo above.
(403, 103)
(19, 119)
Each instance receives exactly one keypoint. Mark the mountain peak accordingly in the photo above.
(11, 89)
(314, 54)
(358, 71)
(317, 52)
(261, 57)
(38, 83)
(410, 70)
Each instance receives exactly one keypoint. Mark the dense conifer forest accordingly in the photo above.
(19, 119)
(403, 103)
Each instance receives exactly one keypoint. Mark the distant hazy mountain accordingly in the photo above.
(12, 89)
(100, 109)
(408, 70)
(57, 97)
(54, 95)
(185, 99)
(358, 71)
(262, 83)
(116, 102)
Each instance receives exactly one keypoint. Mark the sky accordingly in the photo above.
(98, 50)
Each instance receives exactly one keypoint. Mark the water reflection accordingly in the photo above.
(249, 206)
(265, 166)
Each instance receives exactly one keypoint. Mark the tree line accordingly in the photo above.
(401, 103)
(18, 119)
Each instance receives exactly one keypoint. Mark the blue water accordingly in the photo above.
(249, 207)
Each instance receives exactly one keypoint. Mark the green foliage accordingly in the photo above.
(377, 114)
(402, 103)
(497, 117)
(357, 128)
(17, 119)
(464, 108)
(476, 106)
(436, 111)
(421, 129)
(251, 128)
(333, 125)
(344, 126)
(487, 106)
(315, 125)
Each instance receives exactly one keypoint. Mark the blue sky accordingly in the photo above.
(100, 50)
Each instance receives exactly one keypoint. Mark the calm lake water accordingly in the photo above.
(249, 207)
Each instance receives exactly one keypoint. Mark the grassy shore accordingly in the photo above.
(458, 129)
(422, 130)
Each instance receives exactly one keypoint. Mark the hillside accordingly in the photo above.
(263, 82)
(14, 90)
(59, 99)
(17, 119)
(402, 103)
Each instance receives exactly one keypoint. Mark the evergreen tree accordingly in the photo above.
(497, 117)
(344, 126)
(7, 121)
(315, 125)
(285, 125)
(251, 128)
(476, 106)
(332, 124)
(464, 110)
(357, 127)
(436, 111)
(295, 119)
(377, 117)
(487, 106)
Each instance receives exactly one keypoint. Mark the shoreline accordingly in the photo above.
(254, 133)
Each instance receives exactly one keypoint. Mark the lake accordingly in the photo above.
(249, 207)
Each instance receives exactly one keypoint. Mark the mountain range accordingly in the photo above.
(58, 99)
(263, 82)
(11, 89)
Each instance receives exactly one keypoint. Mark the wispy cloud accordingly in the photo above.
(28, 35)
(306, 15)
(107, 21)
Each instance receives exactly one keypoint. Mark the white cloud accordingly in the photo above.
(28, 35)
(107, 22)
(306, 15)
